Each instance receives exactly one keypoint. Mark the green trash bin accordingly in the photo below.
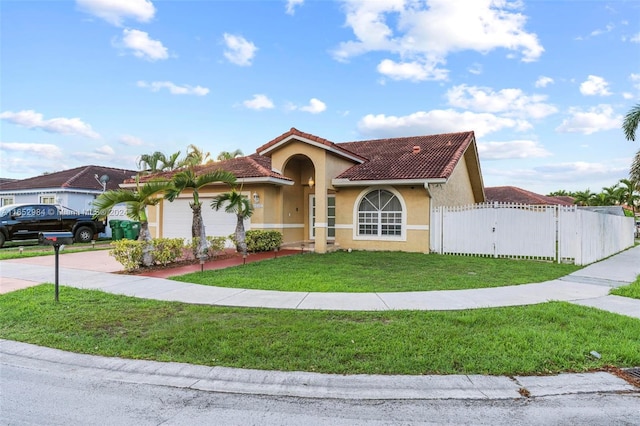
(117, 232)
(135, 230)
(127, 230)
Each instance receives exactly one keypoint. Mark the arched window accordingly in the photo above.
(380, 214)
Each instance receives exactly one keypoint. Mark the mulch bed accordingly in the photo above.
(183, 262)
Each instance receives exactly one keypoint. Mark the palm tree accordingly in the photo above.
(226, 155)
(584, 198)
(195, 157)
(559, 193)
(630, 194)
(239, 205)
(630, 126)
(157, 162)
(612, 195)
(137, 202)
(188, 179)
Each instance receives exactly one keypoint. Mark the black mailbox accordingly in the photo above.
(55, 238)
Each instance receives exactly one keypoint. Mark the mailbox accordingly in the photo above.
(55, 238)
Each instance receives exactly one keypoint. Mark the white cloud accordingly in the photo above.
(105, 150)
(315, 106)
(115, 11)
(543, 81)
(66, 126)
(174, 89)
(595, 119)
(130, 140)
(291, 5)
(258, 102)
(635, 79)
(604, 30)
(475, 69)
(37, 150)
(635, 38)
(436, 121)
(413, 71)
(142, 46)
(511, 102)
(519, 149)
(424, 35)
(595, 85)
(628, 95)
(239, 50)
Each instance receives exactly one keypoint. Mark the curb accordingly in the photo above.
(310, 385)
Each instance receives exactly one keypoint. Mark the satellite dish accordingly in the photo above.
(104, 179)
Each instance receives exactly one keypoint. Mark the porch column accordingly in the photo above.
(321, 216)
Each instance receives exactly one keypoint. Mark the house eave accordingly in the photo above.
(312, 143)
(371, 182)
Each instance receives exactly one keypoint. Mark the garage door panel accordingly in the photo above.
(178, 218)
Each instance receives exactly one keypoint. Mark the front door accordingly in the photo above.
(331, 217)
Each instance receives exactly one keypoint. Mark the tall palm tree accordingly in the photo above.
(137, 202)
(239, 205)
(630, 127)
(226, 155)
(188, 179)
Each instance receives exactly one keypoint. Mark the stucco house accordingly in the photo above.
(363, 195)
(74, 188)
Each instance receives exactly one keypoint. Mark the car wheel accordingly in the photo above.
(2, 239)
(84, 234)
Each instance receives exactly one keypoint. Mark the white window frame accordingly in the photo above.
(356, 217)
(43, 198)
(312, 198)
(5, 200)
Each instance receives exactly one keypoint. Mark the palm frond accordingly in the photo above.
(631, 122)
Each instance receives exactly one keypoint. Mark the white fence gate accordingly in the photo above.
(558, 233)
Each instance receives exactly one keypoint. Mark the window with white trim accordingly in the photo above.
(47, 199)
(6, 200)
(380, 214)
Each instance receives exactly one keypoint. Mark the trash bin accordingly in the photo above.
(135, 230)
(126, 229)
(117, 232)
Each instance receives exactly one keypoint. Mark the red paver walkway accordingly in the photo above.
(231, 258)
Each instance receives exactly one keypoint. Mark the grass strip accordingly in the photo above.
(379, 272)
(537, 339)
(632, 290)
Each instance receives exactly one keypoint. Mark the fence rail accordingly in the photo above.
(557, 233)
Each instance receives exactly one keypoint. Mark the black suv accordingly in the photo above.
(26, 221)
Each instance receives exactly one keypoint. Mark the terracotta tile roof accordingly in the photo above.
(295, 132)
(512, 194)
(77, 178)
(252, 166)
(417, 157)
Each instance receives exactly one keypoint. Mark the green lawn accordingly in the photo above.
(632, 290)
(538, 339)
(38, 250)
(379, 272)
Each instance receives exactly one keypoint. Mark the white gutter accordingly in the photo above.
(424, 182)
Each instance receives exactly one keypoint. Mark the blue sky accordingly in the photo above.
(544, 84)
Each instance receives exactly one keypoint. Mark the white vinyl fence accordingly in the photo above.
(557, 233)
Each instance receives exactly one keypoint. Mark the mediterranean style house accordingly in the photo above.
(363, 195)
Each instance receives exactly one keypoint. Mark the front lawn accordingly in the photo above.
(538, 339)
(632, 290)
(363, 271)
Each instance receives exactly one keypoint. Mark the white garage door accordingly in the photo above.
(178, 218)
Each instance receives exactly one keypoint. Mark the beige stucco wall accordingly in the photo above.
(416, 227)
(457, 191)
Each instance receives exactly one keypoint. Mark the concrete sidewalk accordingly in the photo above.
(311, 385)
(89, 270)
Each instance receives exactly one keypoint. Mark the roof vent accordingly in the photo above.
(416, 149)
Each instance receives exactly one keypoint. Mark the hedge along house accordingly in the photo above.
(364, 195)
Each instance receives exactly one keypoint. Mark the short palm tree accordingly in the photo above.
(239, 205)
(188, 179)
(584, 198)
(226, 155)
(158, 162)
(136, 201)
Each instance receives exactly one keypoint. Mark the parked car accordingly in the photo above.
(26, 221)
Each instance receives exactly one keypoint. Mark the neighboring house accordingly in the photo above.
(369, 195)
(74, 188)
(512, 194)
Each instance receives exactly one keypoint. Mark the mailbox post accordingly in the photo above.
(56, 239)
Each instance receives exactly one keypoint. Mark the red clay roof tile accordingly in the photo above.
(512, 194)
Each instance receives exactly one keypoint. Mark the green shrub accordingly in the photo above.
(167, 250)
(128, 253)
(260, 240)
